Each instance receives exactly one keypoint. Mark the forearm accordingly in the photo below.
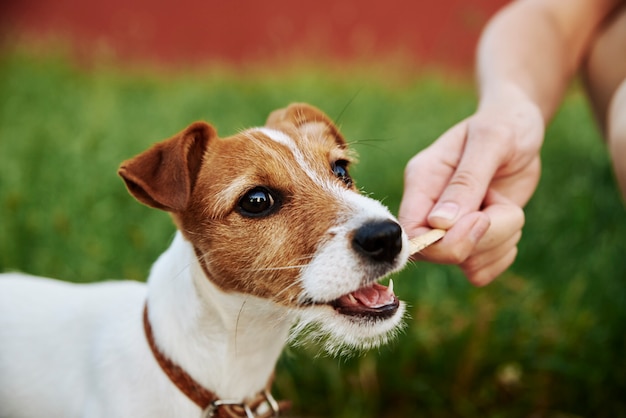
(532, 49)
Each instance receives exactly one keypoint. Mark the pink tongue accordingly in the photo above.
(374, 296)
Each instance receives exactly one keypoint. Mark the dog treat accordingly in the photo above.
(417, 244)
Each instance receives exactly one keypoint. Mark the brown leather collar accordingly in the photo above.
(210, 404)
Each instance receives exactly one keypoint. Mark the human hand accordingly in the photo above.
(473, 181)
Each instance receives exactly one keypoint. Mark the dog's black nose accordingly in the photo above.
(380, 241)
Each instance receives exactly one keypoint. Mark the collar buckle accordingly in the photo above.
(242, 409)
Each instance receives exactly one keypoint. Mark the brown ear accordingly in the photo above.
(305, 118)
(164, 176)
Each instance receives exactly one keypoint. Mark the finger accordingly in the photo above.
(497, 249)
(490, 272)
(414, 207)
(459, 242)
(426, 176)
(483, 153)
(519, 186)
(479, 233)
(507, 219)
(482, 268)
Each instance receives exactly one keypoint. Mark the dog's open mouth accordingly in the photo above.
(375, 300)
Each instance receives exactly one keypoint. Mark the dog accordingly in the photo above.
(273, 237)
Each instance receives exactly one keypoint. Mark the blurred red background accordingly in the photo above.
(431, 33)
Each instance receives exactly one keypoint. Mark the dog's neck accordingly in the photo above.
(229, 343)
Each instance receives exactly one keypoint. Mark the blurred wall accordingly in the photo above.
(440, 33)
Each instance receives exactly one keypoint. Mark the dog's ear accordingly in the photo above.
(305, 118)
(163, 177)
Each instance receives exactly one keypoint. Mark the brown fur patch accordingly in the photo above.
(262, 255)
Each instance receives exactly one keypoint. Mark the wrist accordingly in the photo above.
(497, 93)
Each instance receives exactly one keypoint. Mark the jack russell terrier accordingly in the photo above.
(272, 232)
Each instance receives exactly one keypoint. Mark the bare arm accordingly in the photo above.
(537, 46)
(474, 180)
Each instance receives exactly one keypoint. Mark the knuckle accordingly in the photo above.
(520, 218)
(465, 179)
(522, 133)
(415, 164)
(516, 238)
(481, 273)
(456, 255)
(493, 132)
(498, 137)
(480, 278)
(472, 266)
(451, 255)
(412, 166)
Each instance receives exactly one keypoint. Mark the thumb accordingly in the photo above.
(481, 157)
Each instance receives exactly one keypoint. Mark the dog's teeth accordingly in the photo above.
(390, 286)
(352, 299)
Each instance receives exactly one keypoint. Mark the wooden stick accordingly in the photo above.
(417, 244)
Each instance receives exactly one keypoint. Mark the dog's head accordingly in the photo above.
(273, 212)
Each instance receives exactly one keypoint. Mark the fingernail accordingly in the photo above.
(446, 211)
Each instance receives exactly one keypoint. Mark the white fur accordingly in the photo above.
(342, 336)
(71, 350)
(285, 140)
(334, 271)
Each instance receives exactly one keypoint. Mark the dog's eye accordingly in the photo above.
(257, 202)
(340, 169)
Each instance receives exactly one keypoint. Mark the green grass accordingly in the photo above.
(556, 322)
